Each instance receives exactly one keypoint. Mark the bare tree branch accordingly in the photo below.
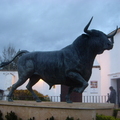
(7, 54)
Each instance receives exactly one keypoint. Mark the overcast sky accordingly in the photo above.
(43, 25)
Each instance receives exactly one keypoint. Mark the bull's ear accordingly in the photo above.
(87, 26)
(85, 36)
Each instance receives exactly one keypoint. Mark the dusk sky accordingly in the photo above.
(43, 25)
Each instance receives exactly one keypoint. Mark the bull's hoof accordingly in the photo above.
(69, 101)
(10, 100)
(38, 100)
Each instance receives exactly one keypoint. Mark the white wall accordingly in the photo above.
(94, 77)
(110, 64)
(104, 61)
(115, 55)
(7, 79)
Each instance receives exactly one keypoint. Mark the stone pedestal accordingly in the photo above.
(59, 110)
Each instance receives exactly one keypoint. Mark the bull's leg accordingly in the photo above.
(68, 95)
(14, 87)
(78, 81)
(25, 70)
(33, 80)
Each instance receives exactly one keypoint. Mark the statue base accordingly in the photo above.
(59, 110)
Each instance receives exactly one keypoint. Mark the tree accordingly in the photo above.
(7, 54)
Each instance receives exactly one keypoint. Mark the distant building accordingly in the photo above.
(110, 68)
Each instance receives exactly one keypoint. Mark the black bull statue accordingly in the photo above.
(70, 66)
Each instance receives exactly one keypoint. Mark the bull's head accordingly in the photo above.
(100, 38)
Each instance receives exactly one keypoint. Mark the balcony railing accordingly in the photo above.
(94, 99)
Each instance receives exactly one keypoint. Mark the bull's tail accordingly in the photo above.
(19, 53)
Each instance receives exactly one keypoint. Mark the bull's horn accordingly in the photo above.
(86, 27)
(110, 36)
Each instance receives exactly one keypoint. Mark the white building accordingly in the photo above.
(110, 68)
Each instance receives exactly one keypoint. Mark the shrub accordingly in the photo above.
(1, 115)
(32, 118)
(103, 117)
(52, 118)
(26, 95)
(115, 112)
(71, 118)
(12, 116)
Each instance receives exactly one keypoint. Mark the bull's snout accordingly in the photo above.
(109, 45)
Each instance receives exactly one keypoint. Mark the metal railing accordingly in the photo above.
(55, 98)
(85, 99)
(94, 99)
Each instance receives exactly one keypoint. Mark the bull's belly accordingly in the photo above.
(61, 81)
(53, 79)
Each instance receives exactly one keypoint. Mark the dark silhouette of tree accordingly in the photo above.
(7, 54)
